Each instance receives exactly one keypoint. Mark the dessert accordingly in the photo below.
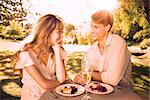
(69, 90)
(98, 87)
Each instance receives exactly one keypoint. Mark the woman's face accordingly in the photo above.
(56, 36)
(98, 31)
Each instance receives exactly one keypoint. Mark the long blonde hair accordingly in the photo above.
(41, 42)
(43, 30)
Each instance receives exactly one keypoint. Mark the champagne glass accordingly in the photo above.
(87, 75)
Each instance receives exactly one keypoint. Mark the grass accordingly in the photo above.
(10, 84)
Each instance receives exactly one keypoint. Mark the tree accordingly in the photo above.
(12, 10)
(12, 16)
(69, 33)
(69, 28)
(130, 22)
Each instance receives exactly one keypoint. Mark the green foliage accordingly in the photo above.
(12, 15)
(6, 53)
(145, 43)
(1, 28)
(14, 31)
(130, 21)
(82, 40)
(69, 28)
(70, 34)
(13, 10)
(142, 34)
(86, 40)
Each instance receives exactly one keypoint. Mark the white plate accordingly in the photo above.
(80, 89)
(108, 87)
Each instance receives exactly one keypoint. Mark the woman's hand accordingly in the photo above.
(59, 63)
(79, 79)
(56, 47)
(55, 83)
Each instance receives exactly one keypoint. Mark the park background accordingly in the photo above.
(17, 18)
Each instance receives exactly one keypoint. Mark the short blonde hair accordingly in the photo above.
(102, 17)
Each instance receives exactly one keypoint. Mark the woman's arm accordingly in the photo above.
(60, 68)
(38, 77)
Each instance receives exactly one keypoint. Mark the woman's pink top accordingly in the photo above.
(31, 89)
(114, 64)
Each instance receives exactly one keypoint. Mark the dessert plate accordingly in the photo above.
(108, 87)
(80, 89)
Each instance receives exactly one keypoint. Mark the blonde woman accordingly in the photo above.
(42, 60)
(109, 55)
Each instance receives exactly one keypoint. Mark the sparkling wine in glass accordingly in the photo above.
(86, 71)
(87, 75)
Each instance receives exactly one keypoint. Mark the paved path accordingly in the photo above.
(15, 46)
(9, 45)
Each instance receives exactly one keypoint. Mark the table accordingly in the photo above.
(118, 94)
